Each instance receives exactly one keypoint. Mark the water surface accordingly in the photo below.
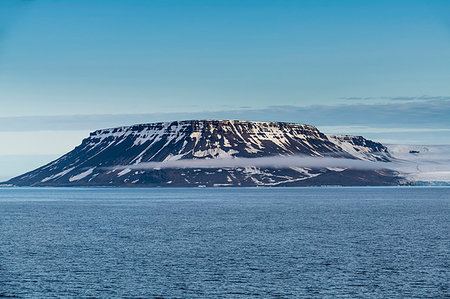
(237, 242)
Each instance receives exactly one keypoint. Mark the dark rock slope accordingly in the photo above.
(113, 157)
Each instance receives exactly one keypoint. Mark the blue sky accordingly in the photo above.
(375, 68)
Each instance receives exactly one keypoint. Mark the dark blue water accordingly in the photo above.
(210, 243)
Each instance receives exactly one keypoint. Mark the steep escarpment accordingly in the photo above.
(157, 154)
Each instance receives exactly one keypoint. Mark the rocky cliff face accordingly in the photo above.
(113, 157)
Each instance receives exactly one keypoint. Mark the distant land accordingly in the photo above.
(232, 153)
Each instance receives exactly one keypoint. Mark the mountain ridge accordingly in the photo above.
(102, 158)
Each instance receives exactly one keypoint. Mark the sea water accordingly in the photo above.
(233, 243)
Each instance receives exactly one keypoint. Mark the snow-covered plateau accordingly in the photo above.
(423, 164)
(235, 153)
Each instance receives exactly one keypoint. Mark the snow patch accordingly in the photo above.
(60, 174)
(124, 172)
(81, 175)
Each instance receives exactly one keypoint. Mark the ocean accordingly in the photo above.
(379, 242)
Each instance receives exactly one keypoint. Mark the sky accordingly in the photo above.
(380, 69)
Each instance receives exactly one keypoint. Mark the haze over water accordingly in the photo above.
(242, 242)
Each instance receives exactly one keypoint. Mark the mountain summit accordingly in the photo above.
(216, 153)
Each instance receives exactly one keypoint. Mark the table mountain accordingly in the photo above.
(209, 153)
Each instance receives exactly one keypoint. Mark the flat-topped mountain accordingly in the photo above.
(208, 153)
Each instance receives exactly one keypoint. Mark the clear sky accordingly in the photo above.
(375, 68)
